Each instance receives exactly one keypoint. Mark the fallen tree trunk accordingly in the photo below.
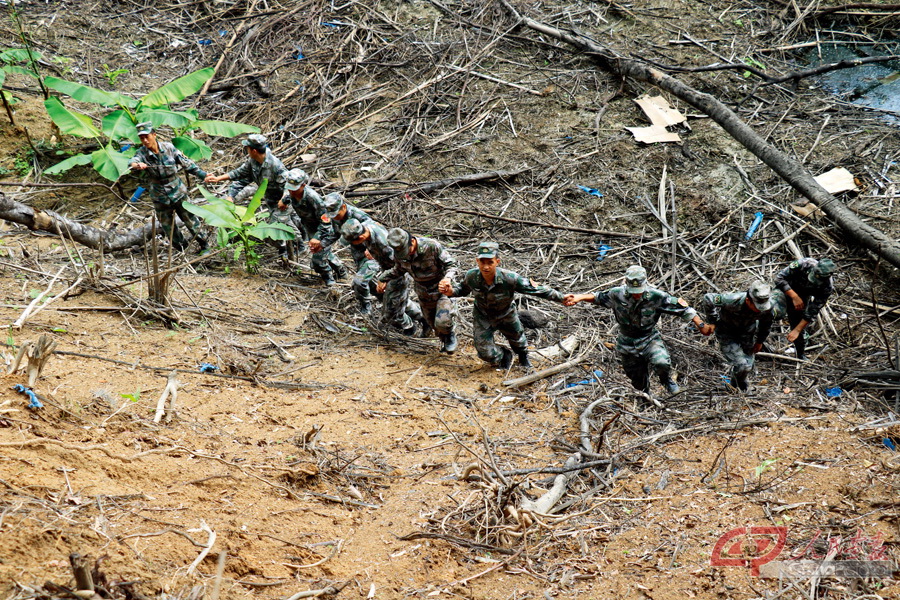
(788, 168)
(92, 237)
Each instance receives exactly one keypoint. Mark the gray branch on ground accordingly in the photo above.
(52, 222)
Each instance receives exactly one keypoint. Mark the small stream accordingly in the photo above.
(875, 86)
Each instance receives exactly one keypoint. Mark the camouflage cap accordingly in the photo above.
(488, 249)
(635, 279)
(144, 128)
(398, 239)
(256, 141)
(352, 230)
(760, 293)
(295, 179)
(333, 203)
(822, 271)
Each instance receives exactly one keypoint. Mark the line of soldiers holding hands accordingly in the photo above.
(390, 262)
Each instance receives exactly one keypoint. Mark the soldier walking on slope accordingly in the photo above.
(310, 208)
(741, 321)
(260, 164)
(806, 284)
(161, 161)
(494, 290)
(398, 308)
(637, 308)
(433, 270)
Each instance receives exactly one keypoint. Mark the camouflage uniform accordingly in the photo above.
(494, 310)
(309, 212)
(814, 294)
(252, 172)
(398, 308)
(738, 329)
(639, 343)
(428, 266)
(168, 191)
(329, 231)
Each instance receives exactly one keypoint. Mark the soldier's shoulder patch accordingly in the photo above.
(683, 302)
(326, 219)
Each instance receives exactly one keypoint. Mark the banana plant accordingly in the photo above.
(124, 112)
(9, 63)
(239, 225)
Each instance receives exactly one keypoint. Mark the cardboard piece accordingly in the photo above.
(836, 181)
(659, 112)
(653, 134)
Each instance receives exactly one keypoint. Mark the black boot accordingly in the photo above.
(505, 360)
(365, 307)
(426, 328)
(448, 343)
(340, 271)
(523, 359)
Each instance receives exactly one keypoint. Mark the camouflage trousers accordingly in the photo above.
(782, 307)
(165, 214)
(737, 350)
(639, 354)
(508, 325)
(438, 310)
(325, 263)
(397, 308)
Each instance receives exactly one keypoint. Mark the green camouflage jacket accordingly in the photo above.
(309, 207)
(733, 318)
(377, 245)
(330, 229)
(254, 172)
(638, 318)
(164, 168)
(796, 277)
(428, 265)
(496, 301)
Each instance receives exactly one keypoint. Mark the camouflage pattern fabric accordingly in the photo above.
(796, 277)
(738, 329)
(253, 172)
(397, 307)
(329, 232)
(308, 210)
(494, 310)
(427, 266)
(168, 190)
(639, 344)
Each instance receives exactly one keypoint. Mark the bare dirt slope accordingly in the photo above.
(321, 442)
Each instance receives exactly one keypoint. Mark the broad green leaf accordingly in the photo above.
(86, 93)
(119, 124)
(110, 163)
(19, 70)
(254, 203)
(72, 161)
(224, 128)
(2, 75)
(210, 197)
(18, 55)
(271, 231)
(162, 116)
(178, 90)
(215, 215)
(10, 99)
(71, 122)
(193, 149)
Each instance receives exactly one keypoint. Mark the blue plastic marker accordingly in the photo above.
(137, 194)
(602, 250)
(208, 368)
(757, 220)
(33, 401)
(591, 191)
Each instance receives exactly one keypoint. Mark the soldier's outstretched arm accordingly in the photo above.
(573, 299)
(527, 286)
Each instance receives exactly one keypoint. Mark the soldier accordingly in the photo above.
(637, 307)
(398, 308)
(309, 208)
(337, 212)
(260, 164)
(741, 321)
(806, 284)
(432, 269)
(494, 290)
(161, 161)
